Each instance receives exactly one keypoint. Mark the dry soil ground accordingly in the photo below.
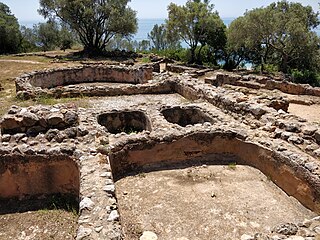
(38, 225)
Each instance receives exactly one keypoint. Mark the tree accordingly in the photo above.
(10, 36)
(67, 37)
(28, 40)
(95, 21)
(48, 35)
(144, 45)
(280, 34)
(158, 37)
(193, 23)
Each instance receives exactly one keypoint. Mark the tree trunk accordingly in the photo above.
(199, 61)
(193, 55)
(284, 65)
(262, 64)
(93, 50)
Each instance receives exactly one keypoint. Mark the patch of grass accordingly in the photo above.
(67, 203)
(232, 166)
(142, 175)
(145, 60)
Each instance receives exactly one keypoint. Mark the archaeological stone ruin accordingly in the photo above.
(180, 153)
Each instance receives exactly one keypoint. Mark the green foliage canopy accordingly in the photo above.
(95, 21)
(158, 37)
(47, 35)
(280, 34)
(9, 31)
(196, 23)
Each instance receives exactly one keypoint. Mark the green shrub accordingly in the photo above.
(305, 77)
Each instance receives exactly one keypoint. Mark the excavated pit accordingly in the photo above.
(184, 116)
(29, 183)
(125, 121)
(205, 185)
(211, 202)
(85, 74)
(40, 195)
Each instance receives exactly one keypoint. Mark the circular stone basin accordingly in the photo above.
(184, 116)
(125, 121)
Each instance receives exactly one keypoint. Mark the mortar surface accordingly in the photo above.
(208, 202)
(311, 113)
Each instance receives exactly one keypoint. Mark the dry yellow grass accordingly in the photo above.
(14, 66)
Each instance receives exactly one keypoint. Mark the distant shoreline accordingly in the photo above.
(145, 26)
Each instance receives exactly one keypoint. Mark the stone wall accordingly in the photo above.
(257, 82)
(33, 176)
(34, 120)
(83, 74)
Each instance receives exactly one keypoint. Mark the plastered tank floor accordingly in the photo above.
(206, 202)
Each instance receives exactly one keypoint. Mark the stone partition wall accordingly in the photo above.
(38, 175)
(219, 148)
(262, 82)
(84, 74)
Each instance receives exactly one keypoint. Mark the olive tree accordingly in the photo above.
(280, 34)
(95, 21)
(195, 23)
(158, 37)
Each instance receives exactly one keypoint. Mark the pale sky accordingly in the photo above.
(26, 10)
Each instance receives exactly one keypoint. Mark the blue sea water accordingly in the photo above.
(146, 25)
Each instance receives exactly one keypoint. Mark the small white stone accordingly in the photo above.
(83, 232)
(295, 238)
(246, 237)
(98, 229)
(106, 175)
(316, 218)
(109, 189)
(109, 182)
(114, 216)
(86, 203)
(148, 235)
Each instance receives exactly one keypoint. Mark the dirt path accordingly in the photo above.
(215, 202)
(20, 61)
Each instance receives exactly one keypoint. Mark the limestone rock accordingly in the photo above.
(317, 136)
(86, 203)
(55, 119)
(148, 235)
(14, 109)
(246, 237)
(71, 118)
(10, 122)
(286, 229)
(114, 216)
(309, 130)
(29, 119)
(71, 132)
(295, 139)
(51, 134)
(83, 233)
